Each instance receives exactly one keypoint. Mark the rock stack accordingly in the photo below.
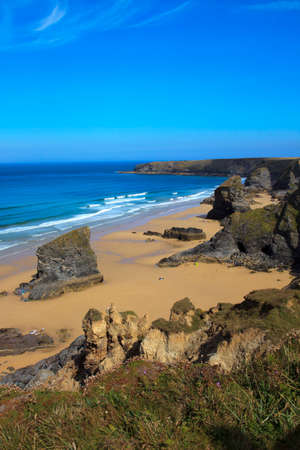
(66, 264)
(229, 198)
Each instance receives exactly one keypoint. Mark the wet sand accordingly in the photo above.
(132, 281)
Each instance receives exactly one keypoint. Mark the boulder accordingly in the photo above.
(184, 234)
(13, 342)
(229, 198)
(66, 264)
(259, 180)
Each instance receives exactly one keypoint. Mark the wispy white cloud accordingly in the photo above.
(65, 20)
(163, 15)
(56, 15)
(280, 5)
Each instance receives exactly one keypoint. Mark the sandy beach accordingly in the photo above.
(128, 260)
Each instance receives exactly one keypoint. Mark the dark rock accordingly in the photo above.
(66, 264)
(229, 198)
(28, 376)
(184, 234)
(259, 239)
(152, 233)
(13, 342)
(3, 294)
(259, 180)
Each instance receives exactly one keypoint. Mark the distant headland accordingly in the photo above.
(215, 167)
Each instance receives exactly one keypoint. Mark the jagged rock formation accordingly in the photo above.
(66, 264)
(184, 234)
(259, 180)
(226, 335)
(111, 338)
(259, 239)
(13, 342)
(229, 198)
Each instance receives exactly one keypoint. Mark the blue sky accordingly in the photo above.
(148, 79)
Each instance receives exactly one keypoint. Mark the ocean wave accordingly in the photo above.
(138, 195)
(7, 245)
(57, 223)
(125, 200)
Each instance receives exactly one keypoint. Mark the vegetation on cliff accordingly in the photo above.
(152, 405)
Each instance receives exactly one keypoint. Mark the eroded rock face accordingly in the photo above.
(66, 264)
(184, 234)
(259, 180)
(111, 338)
(229, 198)
(259, 239)
(226, 335)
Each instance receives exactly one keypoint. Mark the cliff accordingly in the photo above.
(217, 167)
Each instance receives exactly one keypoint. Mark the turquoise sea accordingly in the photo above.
(40, 201)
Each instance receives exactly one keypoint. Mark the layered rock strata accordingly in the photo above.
(66, 264)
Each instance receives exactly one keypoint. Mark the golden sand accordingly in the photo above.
(132, 282)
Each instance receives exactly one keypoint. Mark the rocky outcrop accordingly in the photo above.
(111, 338)
(66, 264)
(259, 180)
(226, 335)
(152, 233)
(229, 198)
(37, 374)
(184, 234)
(13, 342)
(259, 239)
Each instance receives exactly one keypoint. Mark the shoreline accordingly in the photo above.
(132, 281)
(101, 229)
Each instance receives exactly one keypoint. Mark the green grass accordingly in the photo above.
(152, 406)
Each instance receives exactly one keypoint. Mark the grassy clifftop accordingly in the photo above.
(216, 167)
(153, 406)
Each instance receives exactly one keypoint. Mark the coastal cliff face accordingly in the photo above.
(217, 167)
